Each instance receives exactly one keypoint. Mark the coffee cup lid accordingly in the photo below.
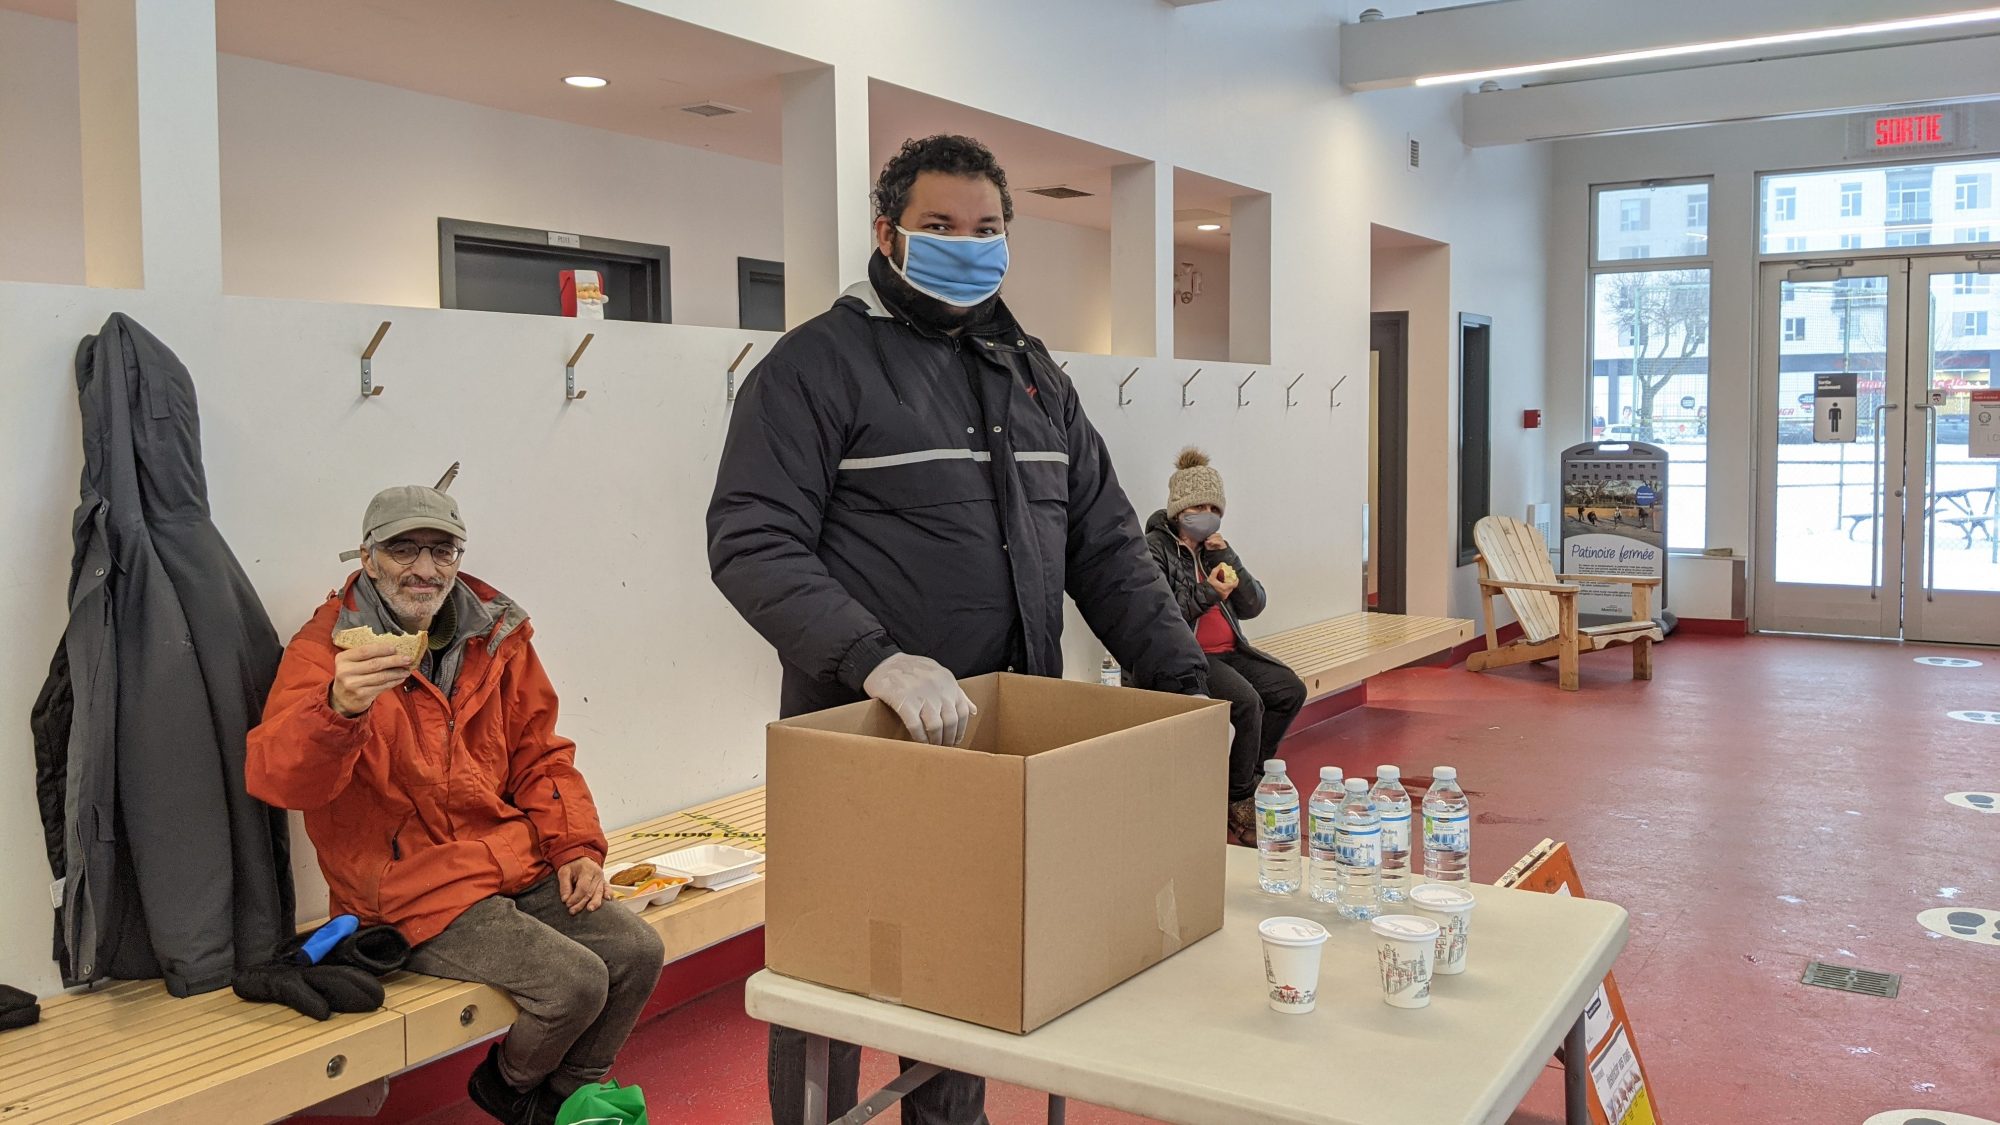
(1293, 931)
(1437, 896)
(1405, 927)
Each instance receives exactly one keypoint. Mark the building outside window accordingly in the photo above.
(1972, 324)
(1907, 238)
(1795, 243)
(1969, 284)
(1973, 191)
(1650, 306)
(1785, 205)
(1632, 214)
(1972, 234)
(1910, 195)
(1879, 208)
(1795, 328)
(1850, 200)
(1850, 242)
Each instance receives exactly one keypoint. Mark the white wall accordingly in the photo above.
(677, 689)
(1734, 155)
(1201, 327)
(1059, 283)
(41, 152)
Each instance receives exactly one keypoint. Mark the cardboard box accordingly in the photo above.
(1074, 843)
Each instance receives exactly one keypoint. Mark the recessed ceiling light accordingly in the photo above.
(1208, 226)
(586, 82)
(1883, 27)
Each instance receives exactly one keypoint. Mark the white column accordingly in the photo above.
(1142, 261)
(152, 180)
(1250, 279)
(827, 181)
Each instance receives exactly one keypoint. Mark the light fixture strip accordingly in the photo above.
(1883, 27)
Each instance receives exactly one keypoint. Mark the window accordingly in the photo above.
(1626, 230)
(1974, 190)
(1969, 284)
(1972, 234)
(1795, 243)
(1909, 196)
(1785, 205)
(1972, 323)
(1850, 242)
(1907, 238)
(1795, 329)
(1850, 200)
(1649, 377)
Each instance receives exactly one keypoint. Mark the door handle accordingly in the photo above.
(1875, 497)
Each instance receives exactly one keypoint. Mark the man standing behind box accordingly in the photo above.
(908, 489)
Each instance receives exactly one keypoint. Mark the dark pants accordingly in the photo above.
(580, 980)
(949, 1099)
(1264, 697)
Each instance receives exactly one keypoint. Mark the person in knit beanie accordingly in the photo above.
(1217, 593)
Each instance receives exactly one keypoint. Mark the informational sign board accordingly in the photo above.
(1614, 522)
(1985, 423)
(1834, 401)
(1619, 1092)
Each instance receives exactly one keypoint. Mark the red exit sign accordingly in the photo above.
(1913, 129)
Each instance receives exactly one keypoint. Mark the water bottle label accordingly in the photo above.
(1325, 833)
(1281, 824)
(1448, 834)
(1396, 833)
(1360, 847)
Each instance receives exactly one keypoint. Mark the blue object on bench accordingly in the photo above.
(324, 939)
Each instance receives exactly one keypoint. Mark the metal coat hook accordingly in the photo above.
(1242, 402)
(734, 365)
(368, 387)
(1123, 399)
(1288, 391)
(1185, 400)
(570, 393)
(1330, 403)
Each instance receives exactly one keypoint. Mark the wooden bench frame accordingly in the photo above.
(1343, 651)
(129, 1051)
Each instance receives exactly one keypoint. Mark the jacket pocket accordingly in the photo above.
(392, 853)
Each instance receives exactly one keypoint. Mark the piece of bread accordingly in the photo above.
(409, 646)
(633, 875)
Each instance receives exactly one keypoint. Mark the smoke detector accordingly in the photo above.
(1059, 191)
(712, 109)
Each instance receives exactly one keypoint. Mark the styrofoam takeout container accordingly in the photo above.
(636, 903)
(710, 865)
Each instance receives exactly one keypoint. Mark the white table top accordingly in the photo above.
(1193, 1040)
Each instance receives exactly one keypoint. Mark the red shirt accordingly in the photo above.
(1213, 632)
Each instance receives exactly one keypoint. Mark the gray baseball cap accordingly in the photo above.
(406, 508)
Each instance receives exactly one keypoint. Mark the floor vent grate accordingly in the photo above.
(1867, 982)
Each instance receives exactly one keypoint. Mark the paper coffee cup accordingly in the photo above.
(1291, 962)
(1451, 908)
(1405, 950)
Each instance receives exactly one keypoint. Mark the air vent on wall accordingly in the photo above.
(712, 109)
(1416, 153)
(1059, 192)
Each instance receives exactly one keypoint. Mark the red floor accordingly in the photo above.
(1761, 803)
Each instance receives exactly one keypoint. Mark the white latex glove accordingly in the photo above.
(924, 695)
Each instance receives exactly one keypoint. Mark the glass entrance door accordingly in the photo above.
(1875, 519)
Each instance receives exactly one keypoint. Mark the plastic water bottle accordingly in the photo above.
(1323, 809)
(1359, 853)
(1392, 803)
(1108, 674)
(1447, 830)
(1277, 831)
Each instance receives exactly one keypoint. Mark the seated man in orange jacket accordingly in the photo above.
(443, 802)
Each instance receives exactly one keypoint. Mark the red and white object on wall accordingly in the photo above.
(583, 294)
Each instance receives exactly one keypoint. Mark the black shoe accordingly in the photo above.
(489, 1091)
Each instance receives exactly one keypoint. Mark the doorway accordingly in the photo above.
(1877, 502)
(1385, 574)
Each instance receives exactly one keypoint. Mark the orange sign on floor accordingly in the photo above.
(1619, 1094)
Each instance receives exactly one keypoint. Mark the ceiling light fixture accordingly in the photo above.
(1208, 226)
(1882, 27)
(586, 82)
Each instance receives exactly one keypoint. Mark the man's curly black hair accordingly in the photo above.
(956, 155)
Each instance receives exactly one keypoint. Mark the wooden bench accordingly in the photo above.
(1343, 651)
(130, 1051)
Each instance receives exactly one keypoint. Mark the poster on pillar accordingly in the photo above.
(1834, 402)
(1985, 428)
(1615, 523)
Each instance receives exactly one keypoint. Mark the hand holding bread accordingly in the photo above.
(369, 664)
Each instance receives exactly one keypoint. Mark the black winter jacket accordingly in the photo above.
(1187, 571)
(885, 488)
(168, 867)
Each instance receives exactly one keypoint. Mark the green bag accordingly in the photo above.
(605, 1103)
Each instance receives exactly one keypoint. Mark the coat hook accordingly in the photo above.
(1185, 400)
(570, 393)
(1288, 391)
(1123, 398)
(1242, 402)
(1330, 403)
(1064, 365)
(368, 387)
(738, 363)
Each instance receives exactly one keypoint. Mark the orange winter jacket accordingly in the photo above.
(425, 804)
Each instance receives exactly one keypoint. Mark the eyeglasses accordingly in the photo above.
(405, 552)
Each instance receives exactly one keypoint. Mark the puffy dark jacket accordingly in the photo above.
(1187, 571)
(885, 488)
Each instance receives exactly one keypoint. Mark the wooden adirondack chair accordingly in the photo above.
(1514, 561)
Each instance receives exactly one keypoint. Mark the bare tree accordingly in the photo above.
(1667, 314)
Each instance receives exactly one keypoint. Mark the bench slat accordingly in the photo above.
(1343, 651)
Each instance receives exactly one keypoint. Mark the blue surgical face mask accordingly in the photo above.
(959, 270)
